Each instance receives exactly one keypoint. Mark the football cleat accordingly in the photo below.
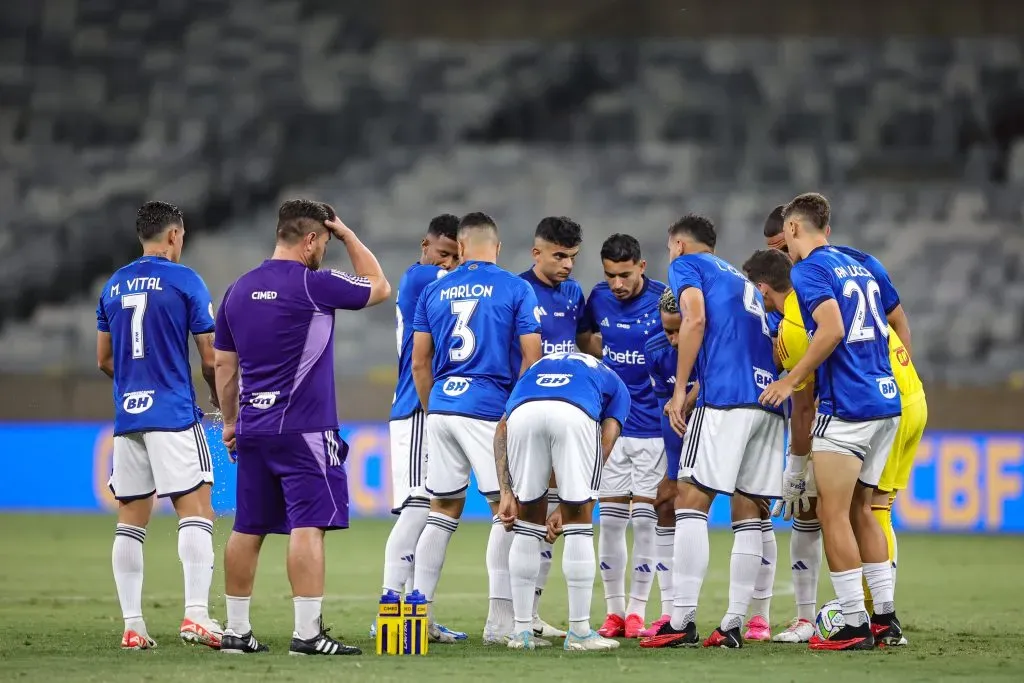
(206, 633)
(321, 644)
(134, 640)
(729, 640)
(652, 630)
(245, 644)
(670, 637)
(758, 630)
(543, 629)
(457, 635)
(798, 631)
(592, 642)
(436, 635)
(495, 635)
(887, 630)
(522, 641)
(614, 627)
(846, 638)
(634, 625)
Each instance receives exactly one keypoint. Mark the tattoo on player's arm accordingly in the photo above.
(501, 457)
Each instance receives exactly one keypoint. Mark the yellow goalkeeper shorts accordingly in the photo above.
(896, 474)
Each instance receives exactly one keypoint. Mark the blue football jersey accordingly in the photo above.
(855, 382)
(150, 307)
(476, 315)
(774, 320)
(735, 362)
(625, 327)
(416, 278)
(886, 290)
(576, 378)
(662, 362)
(561, 313)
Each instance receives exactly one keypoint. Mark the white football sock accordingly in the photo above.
(499, 543)
(690, 565)
(126, 558)
(850, 592)
(430, 552)
(523, 569)
(307, 617)
(579, 568)
(878, 576)
(805, 554)
(546, 553)
(195, 550)
(611, 552)
(663, 550)
(645, 520)
(238, 615)
(400, 551)
(761, 603)
(744, 566)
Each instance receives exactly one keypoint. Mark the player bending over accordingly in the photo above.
(565, 413)
(733, 445)
(623, 310)
(476, 330)
(275, 380)
(858, 416)
(556, 242)
(145, 314)
(439, 253)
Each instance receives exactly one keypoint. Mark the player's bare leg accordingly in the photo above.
(663, 550)
(805, 555)
(524, 567)
(579, 567)
(744, 566)
(241, 556)
(195, 550)
(127, 560)
(874, 552)
(613, 556)
(759, 626)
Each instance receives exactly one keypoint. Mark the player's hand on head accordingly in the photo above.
(338, 229)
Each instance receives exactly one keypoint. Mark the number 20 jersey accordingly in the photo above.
(735, 361)
(476, 315)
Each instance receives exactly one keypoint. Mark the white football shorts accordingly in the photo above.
(870, 441)
(553, 435)
(408, 459)
(636, 466)
(736, 450)
(169, 464)
(457, 445)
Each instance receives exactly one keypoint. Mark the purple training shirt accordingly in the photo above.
(279, 319)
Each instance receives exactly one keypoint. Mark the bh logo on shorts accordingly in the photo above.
(887, 387)
(762, 378)
(455, 386)
(262, 400)
(136, 402)
(553, 380)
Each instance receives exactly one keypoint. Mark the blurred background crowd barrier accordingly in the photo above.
(622, 114)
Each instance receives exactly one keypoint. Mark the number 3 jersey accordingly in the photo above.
(735, 361)
(855, 383)
(150, 307)
(476, 315)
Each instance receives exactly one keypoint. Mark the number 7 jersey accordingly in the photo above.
(476, 315)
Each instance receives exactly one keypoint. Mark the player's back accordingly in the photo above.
(150, 307)
(855, 382)
(735, 360)
(476, 315)
(560, 308)
(575, 378)
(413, 282)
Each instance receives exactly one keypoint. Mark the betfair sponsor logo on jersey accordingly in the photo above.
(624, 357)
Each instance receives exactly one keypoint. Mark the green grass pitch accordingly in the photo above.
(958, 596)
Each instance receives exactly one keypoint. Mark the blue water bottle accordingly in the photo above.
(414, 624)
(389, 624)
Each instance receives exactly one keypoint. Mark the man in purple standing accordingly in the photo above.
(275, 380)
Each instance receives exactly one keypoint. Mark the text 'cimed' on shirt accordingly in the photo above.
(476, 315)
(576, 378)
(735, 361)
(150, 307)
(561, 313)
(625, 327)
(415, 280)
(279, 319)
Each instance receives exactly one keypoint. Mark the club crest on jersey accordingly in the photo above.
(136, 402)
(553, 380)
(887, 387)
(262, 400)
(456, 386)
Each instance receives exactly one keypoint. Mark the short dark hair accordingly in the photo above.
(771, 267)
(560, 230)
(298, 217)
(620, 248)
(812, 206)
(698, 227)
(445, 225)
(773, 224)
(477, 219)
(154, 217)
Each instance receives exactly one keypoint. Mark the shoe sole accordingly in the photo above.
(193, 638)
(667, 644)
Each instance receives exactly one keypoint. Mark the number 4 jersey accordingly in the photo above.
(476, 315)
(150, 307)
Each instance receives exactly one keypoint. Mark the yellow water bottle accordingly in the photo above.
(389, 624)
(414, 624)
